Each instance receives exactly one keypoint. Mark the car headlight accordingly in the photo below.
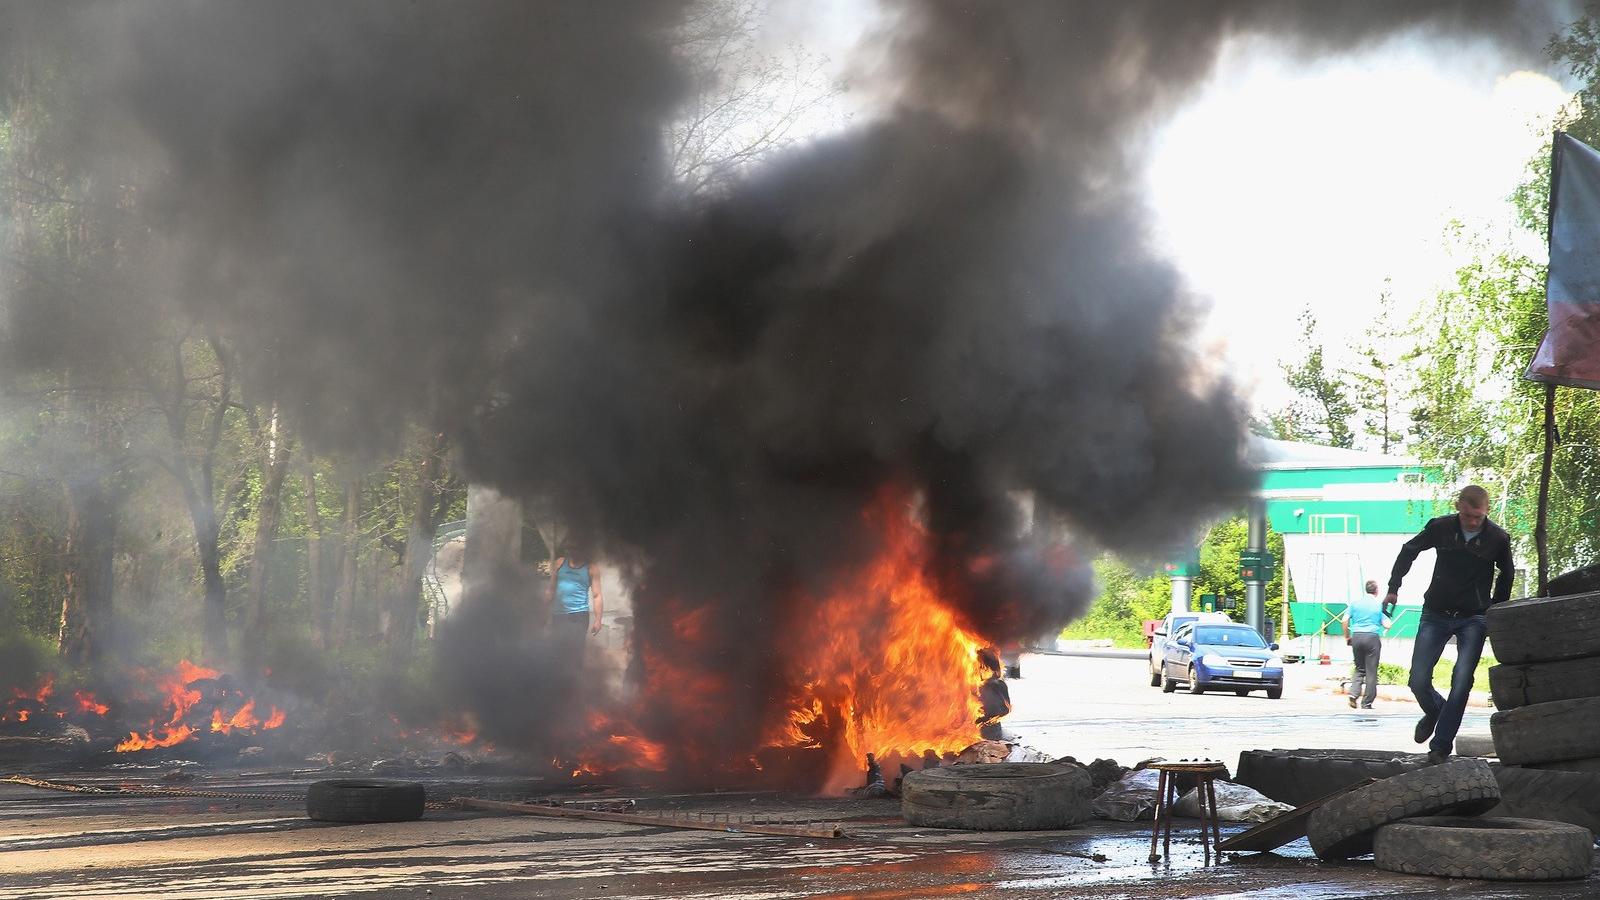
(1212, 659)
(1275, 661)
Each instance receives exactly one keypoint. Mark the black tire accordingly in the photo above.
(1545, 629)
(1578, 581)
(1560, 796)
(1547, 732)
(1155, 678)
(1298, 777)
(1275, 693)
(1525, 684)
(1495, 848)
(1194, 683)
(1343, 827)
(1243, 692)
(1167, 684)
(998, 796)
(354, 800)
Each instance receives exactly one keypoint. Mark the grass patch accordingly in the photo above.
(1391, 673)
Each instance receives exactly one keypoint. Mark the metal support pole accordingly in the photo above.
(1182, 591)
(1255, 590)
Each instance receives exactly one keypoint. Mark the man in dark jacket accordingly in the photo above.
(1470, 549)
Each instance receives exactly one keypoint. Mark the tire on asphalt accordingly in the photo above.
(357, 800)
(1155, 678)
(1545, 629)
(1167, 684)
(1547, 732)
(1525, 684)
(1560, 796)
(1578, 581)
(998, 796)
(1274, 693)
(1503, 849)
(1343, 827)
(1194, 682)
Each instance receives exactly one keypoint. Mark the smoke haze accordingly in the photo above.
(460, 214)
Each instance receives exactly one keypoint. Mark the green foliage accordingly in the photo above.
(1324, 409)
(1392, 673)
(1128, 598)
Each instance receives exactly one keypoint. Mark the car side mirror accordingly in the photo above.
(1272, 646)
(1161, 634)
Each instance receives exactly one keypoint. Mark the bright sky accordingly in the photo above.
(1286, 185)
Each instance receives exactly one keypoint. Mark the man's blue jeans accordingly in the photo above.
(1433, 632)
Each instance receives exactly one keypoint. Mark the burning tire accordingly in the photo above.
(998, 796)
(364, 801)
(1545, 629)
(1501, 849)
(1548, 732)
(1343, 827)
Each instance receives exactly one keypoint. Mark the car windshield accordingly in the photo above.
(1238, 636)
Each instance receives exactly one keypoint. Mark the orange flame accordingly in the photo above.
(87, 703)
(887, 667)
(181, 698)
(169, 737)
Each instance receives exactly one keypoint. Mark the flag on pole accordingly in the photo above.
(1570, 351)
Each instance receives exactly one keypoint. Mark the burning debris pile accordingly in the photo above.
(194, 701)
(872, 406)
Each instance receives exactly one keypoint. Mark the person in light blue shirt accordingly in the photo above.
(575, 600)
(1364, 624)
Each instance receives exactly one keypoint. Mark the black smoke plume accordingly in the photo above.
(460, 213)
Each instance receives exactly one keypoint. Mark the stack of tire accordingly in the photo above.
(1546, 689)
(1427, 822)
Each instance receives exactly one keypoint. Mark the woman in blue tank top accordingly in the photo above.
(575, 599)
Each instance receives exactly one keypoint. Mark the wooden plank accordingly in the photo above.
(1275, 832)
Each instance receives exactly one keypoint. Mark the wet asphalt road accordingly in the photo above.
(56, 846)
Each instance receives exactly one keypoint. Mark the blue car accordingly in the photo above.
(1210, 657)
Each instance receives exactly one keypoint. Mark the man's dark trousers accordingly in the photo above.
(1433, 632)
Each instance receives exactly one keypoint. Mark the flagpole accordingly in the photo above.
(1539, 531)
(1541, 515)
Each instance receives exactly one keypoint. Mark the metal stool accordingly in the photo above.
(1207, 771)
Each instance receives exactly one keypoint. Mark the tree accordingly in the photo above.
(1376, 380)
(1324, 408)
(745, 102)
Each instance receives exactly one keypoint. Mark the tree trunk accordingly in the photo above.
(344, 613)
(316, 593)
(214, 640)
(269, 512)
(90, 549)
(405, 605)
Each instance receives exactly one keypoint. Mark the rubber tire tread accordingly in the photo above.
(1578, 581)
(365, 800)
(1545, 629)
(998, 796)
(1344, 826)
(1551, 794)
(1525, 684)
(1547, 732)
(1297, 778)
(1502, 849)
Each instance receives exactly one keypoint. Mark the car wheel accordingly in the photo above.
(1274, 693)
(1155, 677)
(1168, 685)
(1194, 682)
(1243, 692)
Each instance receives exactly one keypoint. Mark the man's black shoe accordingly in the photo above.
(1352, 700)
(1424, 729)
(1366, 706)
(1436, 758)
